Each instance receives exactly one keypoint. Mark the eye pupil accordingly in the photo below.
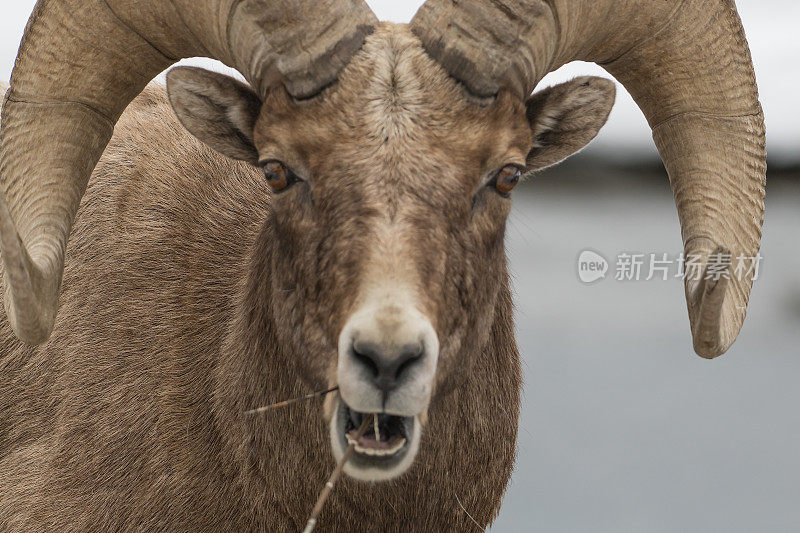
(507, 179)
(277, 175)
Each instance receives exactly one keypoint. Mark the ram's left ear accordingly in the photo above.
(217, 109)
(566, 117)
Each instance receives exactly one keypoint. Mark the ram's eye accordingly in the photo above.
(279, 176)
(505, 180)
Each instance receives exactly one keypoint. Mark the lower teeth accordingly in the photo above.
(377, 452)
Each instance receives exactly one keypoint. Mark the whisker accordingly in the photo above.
(336, 474)
(284, 403)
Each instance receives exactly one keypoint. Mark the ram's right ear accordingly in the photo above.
(217, 109)
(566, 117)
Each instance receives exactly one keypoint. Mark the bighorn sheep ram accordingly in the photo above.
(358, 241)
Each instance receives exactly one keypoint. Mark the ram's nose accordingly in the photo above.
(387, 363)
(387, 360)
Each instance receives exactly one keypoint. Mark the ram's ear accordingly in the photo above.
(566, 117)
(217, 109)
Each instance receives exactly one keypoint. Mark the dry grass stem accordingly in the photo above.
(284, 403)
(467, 513)
(335, 475)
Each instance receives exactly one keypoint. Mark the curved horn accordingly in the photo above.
(688, 66)
(81, 62)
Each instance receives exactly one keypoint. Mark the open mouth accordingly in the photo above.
(381, 450)
(385, 437)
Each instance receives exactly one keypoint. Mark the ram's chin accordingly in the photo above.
(380, 457)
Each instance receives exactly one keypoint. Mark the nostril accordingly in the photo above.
(403, 366)
(366, 356)
(409, 356)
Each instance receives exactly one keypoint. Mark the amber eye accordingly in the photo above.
(279, 177)
(505, 180)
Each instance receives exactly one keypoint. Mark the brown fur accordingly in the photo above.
(191, 294)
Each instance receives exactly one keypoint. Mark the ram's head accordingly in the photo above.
(390, 195)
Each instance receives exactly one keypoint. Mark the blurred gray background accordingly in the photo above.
(623, 428)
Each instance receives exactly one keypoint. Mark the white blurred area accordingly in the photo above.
(771, 27)
(623, 428)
